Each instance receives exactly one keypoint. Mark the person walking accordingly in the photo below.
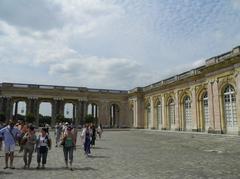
(1, 139)
(86, 137)
(69, 145)
(43, 145)
(58, 133)
(99, 131)
(10, 135)
(93, 129)
(28, 142)
(23, 127)
(75, 133)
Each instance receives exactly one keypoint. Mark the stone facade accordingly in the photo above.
(205, 99)
(58, 96)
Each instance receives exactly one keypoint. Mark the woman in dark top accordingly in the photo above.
(93, 135)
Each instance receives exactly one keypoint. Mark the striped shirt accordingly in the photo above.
(8, 137)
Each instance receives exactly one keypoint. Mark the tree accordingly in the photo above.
(44, 120)
(89, 119)
(2, 117)
(19, 117)
(60, 118)
(30, 118)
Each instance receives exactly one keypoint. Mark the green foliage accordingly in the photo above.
(69, 120)
(19, 117)
(2, 117)
(30, 118)
(60, 118)
(44, 120)
(90, 119)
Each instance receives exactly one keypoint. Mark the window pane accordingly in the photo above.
(230, 106)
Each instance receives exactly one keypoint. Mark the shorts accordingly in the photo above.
(9, 148)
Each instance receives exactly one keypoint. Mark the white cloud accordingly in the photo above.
(116, 44)
(102, 72)
(84, 18)
(236, 4)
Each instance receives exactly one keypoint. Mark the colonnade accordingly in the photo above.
(107, 113)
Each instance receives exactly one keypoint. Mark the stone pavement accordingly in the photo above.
(142, 154)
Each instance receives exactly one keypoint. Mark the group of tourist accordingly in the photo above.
(26, 137)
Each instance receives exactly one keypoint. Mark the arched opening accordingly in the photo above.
(114, 115)
(159, 115)
(45, 113)
(93, 110)
(187, 112)
(205, 111)
(171, 114)
(19, 110)
(70, 112)
(230, 112)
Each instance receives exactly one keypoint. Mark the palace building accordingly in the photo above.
(204, 99)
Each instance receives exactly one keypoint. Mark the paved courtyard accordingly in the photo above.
(142, 154)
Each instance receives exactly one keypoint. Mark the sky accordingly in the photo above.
(113, 44)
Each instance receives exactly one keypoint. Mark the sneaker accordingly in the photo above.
(43, 167)
(5, 167)
(38, 166)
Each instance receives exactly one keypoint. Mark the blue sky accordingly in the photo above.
(117, 44)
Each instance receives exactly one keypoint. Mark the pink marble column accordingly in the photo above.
(210, 106)
(177, 119)
(164, 116)
(194, 110)
(216, 107)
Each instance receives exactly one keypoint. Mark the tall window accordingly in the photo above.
(187, 112)
(159, 114)
(230, 111)
(171, 112)
(205, 109)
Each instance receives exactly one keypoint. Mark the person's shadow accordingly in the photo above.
(59, 168)
(5, 173)
(97, 156)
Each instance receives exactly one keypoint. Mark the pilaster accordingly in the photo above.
(164, 116)
(195, 126)
(216, 106)
(104, 119)
(178, 122)
(9, 108)
(152, 116)
(238, 98)
(211, 107)
(57, 109)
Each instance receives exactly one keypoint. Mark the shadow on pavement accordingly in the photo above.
(5, 173)
(56, 169)
(95, 156)
(104, 148)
